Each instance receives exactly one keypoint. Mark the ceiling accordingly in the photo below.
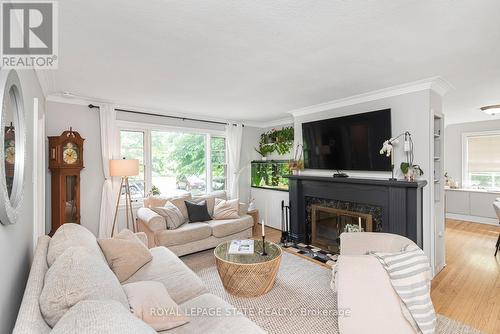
(256, 60)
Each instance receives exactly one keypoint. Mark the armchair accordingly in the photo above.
(363, 286)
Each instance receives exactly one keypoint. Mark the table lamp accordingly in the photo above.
(124, 168)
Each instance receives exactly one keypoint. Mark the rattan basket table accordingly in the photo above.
(249, 275)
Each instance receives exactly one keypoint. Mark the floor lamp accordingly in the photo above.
(124, 168)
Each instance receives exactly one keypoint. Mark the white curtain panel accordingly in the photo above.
(107, 117)
(234, 134)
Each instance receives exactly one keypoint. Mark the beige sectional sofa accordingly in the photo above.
(183, 286)
(192, 237)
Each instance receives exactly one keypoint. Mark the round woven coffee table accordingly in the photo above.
(248, 275)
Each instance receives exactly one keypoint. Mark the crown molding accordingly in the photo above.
(437, 84)
(85, 101)
(71, 100)
(270, 124)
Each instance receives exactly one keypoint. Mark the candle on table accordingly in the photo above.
(263, 225)
(359, 223)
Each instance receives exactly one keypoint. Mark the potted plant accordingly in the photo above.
(411, 172)
(280, 141)
(297, 164)
(283, 139)
(155, 191)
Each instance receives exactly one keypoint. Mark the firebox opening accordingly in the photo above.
(328, 223)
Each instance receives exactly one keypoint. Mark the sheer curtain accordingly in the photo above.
(234, 134)
(107, 118)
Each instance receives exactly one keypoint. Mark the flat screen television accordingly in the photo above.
(348, 143)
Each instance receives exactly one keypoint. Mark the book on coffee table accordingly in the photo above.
(241, 247)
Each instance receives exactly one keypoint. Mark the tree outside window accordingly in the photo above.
(179, 162)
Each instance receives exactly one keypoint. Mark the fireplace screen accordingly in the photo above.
(329, 223)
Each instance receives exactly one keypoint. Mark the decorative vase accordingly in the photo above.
(410, 175)
(264, 158)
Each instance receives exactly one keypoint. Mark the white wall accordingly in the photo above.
(59, 117)
(267, 201)
(249, 141)
(453, 144)
(16, 241)
(410, 112)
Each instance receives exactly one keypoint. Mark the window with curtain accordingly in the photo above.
(179, 161)
(482, 160)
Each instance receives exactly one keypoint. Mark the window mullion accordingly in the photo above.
(208, 159)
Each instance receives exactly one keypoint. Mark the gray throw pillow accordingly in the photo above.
(198, 212)
(173, 216)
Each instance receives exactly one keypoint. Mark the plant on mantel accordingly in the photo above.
(297, 164)
(279, 141)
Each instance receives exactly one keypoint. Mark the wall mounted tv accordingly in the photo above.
(348, 143)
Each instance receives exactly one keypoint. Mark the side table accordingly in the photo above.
(256, 218)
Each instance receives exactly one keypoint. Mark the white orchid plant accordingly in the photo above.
(387, 147)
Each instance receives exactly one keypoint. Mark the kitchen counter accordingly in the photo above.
(474, 190)
(469, 204)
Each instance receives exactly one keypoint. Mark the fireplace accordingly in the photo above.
(328, 223)
(394, 207)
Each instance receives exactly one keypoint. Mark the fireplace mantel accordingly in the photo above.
(400, 202)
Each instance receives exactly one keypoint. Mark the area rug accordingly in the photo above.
(301, 300)
(311, 252)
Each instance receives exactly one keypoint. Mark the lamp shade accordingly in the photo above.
(124, 167)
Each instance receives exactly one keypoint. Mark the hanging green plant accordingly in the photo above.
(280, 141)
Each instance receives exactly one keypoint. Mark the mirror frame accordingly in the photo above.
(10, 205)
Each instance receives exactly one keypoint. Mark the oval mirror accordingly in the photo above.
(12, 142)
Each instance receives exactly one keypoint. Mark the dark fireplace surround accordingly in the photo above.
(395, 206)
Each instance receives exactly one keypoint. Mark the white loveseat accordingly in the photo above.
(192, 237)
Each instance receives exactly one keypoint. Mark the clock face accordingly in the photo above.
(10, 152)
(70, 153)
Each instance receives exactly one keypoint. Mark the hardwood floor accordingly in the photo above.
(468, 288)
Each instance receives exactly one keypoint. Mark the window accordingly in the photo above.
(219, 164)
(176, 162)
(482, 160)
(132, 147)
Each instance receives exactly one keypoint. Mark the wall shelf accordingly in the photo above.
(437, 147)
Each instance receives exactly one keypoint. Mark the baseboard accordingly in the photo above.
(474, 219)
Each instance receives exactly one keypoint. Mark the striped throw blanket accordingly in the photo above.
(410, 275)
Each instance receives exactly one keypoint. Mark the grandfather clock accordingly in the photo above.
(65, 164)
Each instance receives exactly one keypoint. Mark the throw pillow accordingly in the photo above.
(198, 212)
(226, 209)
(179, 203)
(77, 274)
(71, 235)
(125, 254)
(173, 216)
(100, 317)
(150, 302)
